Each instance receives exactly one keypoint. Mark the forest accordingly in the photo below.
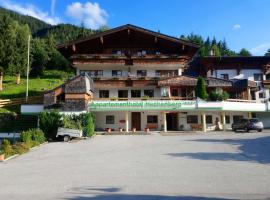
(15, 28)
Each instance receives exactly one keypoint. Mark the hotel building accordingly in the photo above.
(132, 79)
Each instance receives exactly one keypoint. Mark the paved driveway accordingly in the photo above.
(209, 166)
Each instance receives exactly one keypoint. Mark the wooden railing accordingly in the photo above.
(19, 101)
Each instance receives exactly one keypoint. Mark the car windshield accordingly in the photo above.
(254, 120)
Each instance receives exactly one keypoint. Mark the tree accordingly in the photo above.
(39, 57)
(200, 89)
(244, 52)
(267, 53)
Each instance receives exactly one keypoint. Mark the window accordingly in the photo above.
(123, 93)
(166, 73)
(227, 119)
(209, 119)
(258, 77)
(104, 94)
(109, 119)
(237, 118)
(152, 119)
(135, 93)
(261, 95)
(174, 92)
(141, 73)
(141, 53)
(224, 76)
(117, 52)
(95, 73)
(149, 93)
(116, 73)
(192, 119)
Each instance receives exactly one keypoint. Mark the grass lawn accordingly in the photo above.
(50, 80)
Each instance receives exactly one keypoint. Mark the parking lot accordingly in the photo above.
(186, 166)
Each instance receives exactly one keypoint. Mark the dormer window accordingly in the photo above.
(224, 76)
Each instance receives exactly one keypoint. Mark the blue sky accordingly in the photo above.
(243, 23)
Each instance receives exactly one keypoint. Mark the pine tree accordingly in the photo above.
(200, 89)
(244, 52)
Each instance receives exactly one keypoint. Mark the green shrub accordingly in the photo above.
(21, 148)
(218, 95)
(49, 123)
(72, 122)
(7, 148)
(26, 137)
(88, 122)
(37, 136)
(1, 151)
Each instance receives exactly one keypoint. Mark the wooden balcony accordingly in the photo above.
(143, 98)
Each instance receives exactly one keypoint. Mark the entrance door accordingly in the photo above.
(136, 120)
(172, 121)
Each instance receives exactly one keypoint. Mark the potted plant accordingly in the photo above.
(109, 130)
(121, 130)
(2, 155)
(134, 129)
(147, 130)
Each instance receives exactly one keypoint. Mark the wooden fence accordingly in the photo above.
(19, 101)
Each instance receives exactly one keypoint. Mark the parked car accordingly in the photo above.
(247, 125)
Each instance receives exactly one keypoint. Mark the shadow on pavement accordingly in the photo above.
(250, 150)
(109, 194)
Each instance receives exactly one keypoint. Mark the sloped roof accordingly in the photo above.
(179, 80)
(130, 27)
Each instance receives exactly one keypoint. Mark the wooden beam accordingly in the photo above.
(156, 39)
(101, 40)
(128, 31)
(73, 47)
(183, 47)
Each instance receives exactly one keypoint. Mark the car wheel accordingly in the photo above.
(260, 130)
(66, 138)
(235, 130)
(247, 130)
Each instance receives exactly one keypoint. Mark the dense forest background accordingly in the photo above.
(15, 28)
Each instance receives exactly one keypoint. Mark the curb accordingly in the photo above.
(16, 155)
(11, 157)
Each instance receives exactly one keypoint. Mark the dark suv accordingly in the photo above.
(247, 125)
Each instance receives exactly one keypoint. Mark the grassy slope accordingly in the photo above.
(50, 80)
(37, 86)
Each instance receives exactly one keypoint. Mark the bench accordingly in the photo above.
(152, 126)
(196, 127)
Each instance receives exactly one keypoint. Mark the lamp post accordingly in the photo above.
(28, 69)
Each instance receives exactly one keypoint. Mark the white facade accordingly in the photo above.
(182, 120)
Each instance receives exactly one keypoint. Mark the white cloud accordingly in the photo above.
(53, 2)
(260, 49)
(91, 14)
(237, 26)
(31, 10)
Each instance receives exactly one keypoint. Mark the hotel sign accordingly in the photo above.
(142, 105)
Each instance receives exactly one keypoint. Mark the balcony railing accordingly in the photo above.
(126, 56)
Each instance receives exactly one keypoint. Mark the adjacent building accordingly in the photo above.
(145, 80)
